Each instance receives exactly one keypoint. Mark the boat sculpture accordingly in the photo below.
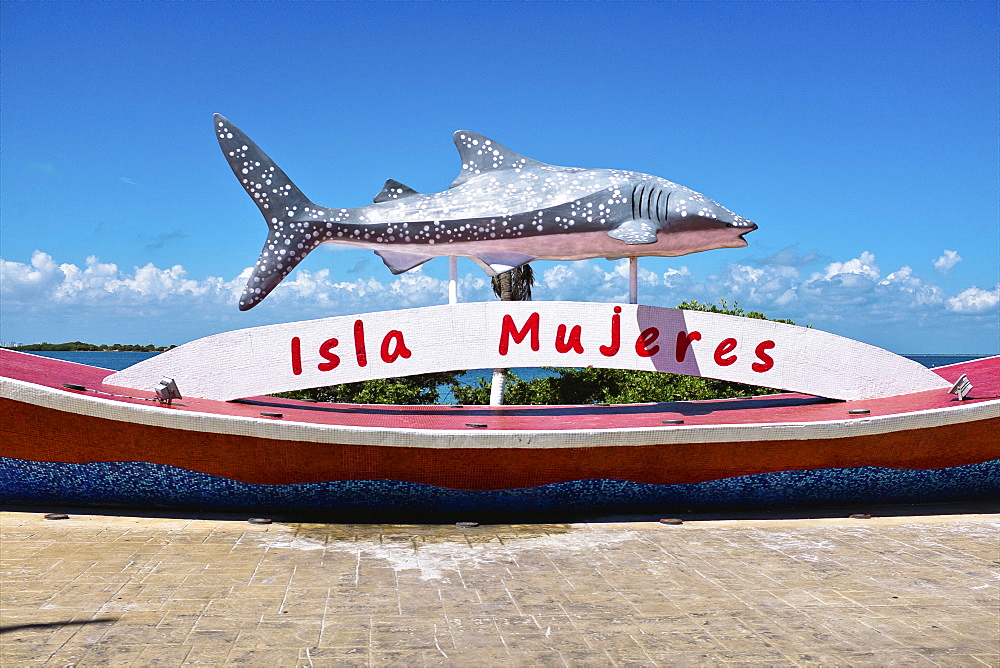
(69, 437)
(197, 428)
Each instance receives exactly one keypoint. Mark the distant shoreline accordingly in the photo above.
(80, 346)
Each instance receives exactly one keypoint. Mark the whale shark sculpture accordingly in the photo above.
(503, 211)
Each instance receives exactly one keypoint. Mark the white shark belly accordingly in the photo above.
(566, 246)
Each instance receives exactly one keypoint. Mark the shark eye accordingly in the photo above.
(729, 224)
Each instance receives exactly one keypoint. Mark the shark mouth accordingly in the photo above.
(750, 227)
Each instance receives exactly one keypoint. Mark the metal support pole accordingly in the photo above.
(452, 280)
(497, 387)
(633, 280)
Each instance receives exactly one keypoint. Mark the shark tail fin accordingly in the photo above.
(279, 200)
(269, 187)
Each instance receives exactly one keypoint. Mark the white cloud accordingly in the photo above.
(853, 296)
(590, 280)
(43, 281)
(946, 262)
(29, 280)
(856, 290)
(98, 282)
(902, 281)
(976, 301)
(863, 265)
(756, 285)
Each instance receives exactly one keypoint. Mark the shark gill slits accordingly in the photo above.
(650, 203)
(662, 204)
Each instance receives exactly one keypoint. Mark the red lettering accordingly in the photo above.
(509, 331)
(642, 344)
(616, 335)
(326, 352)
(564, 346)
(359, 343)
(727, 346)
(684, 340)
(296, 356)
(766, 362)
(399, 350)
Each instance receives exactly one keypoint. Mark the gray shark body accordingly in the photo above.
(504, 210)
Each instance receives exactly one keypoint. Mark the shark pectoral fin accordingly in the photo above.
(500, 262)
(399, 262)
(481, 154)
(393, 189)
(635, 232)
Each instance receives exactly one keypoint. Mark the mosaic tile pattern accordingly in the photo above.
(144, 484)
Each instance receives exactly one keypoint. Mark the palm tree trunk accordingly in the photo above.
(506, 286)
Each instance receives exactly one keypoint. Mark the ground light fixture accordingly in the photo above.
(961, 387)
(166, 391)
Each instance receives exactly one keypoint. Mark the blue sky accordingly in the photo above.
(861, 137)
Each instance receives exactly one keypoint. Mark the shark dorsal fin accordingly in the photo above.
(393, 189)
(481, 155)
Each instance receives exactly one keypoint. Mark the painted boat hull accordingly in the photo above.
(59, 445)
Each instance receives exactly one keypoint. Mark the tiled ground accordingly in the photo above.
(99, 589)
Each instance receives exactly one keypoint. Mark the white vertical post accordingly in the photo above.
(633, 280)
(497, 387)
(452, 279)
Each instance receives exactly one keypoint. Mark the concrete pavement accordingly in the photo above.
(96, 589)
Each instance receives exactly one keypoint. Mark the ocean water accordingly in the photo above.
(932, 361)
(116, 361)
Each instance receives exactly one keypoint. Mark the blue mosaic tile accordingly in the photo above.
(140, 484)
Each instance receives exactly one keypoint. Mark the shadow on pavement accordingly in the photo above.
(986, 507)
(10, 628)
